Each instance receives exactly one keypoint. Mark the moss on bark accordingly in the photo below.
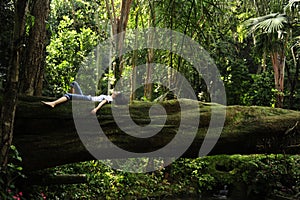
(48, 137)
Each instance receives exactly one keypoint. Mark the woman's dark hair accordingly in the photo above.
(120, 99)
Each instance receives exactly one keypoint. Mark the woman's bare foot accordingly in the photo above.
(51, 104)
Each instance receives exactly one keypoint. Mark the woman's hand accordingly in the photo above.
(94, 111)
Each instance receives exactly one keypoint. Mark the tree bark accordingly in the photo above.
(35, 50)
(47, 137)
(150, 56)
(119, 25)
(11, 90)
(134, 65)
(278, 61)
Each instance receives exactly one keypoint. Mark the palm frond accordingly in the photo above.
(291, 4)
(270, 23)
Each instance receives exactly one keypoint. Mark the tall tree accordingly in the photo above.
(293, 70)
(273, 31)
(150, 54)
(119, 24)
(11, 89)
(6, 16)
(133, 77)
(32, 76)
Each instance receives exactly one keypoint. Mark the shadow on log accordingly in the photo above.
(47, 137)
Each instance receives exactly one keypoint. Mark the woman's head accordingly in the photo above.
(115, 94)
(119, 98)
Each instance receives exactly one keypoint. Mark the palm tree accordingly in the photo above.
(272, 31)
(292, 9)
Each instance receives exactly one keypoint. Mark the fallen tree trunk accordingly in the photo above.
(48, 137)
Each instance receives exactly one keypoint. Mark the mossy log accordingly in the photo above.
(47, 137)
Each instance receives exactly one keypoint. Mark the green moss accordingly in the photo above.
(247, 177)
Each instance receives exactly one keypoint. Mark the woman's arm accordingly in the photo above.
(94, 111)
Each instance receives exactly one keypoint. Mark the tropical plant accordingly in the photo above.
(272, 30)
(76, 31)
(272, 34)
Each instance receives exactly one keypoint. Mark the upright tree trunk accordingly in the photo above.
(278, 61)
(150, 56)
(133, 77)
(134, 63)
(11, 89)
(35, 51)
(171, 75)
(148, 79)
(119, 25)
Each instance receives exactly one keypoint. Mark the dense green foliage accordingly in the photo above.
(218, 27)
(239, 35)
(8, 189)
(242, 54)
(75, 31)
(246, 177)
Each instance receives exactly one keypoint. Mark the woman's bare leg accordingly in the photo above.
(75, 88)
(72, 90)
(56, 102)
